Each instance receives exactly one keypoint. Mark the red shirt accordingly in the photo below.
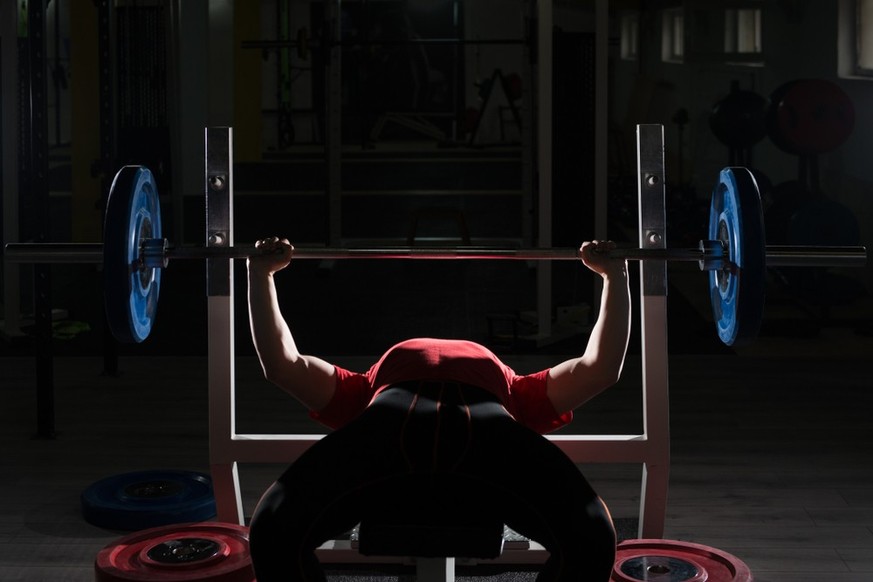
(459, 361)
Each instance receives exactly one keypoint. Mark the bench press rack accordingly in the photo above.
(651, 448)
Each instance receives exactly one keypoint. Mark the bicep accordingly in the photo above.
(309, 379)
(572, 383)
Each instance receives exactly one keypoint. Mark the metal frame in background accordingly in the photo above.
(227, 448)
(34, 196)
(10, 325)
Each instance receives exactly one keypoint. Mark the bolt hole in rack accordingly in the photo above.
(735, 257)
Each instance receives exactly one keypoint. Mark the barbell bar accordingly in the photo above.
(304, 43)
(709, 255)
(134, 254)
(276, 44)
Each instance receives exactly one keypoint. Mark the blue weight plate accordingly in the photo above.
(144, 499)
(737, 294)
(133, 214)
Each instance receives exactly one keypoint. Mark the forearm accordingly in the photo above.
(607, 345)
(575, 381)
(307, 378)
(272, 338)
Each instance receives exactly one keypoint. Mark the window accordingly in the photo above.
(742, 31)
(630, 25)
(864, 37)
(673, 36)
(855, 39)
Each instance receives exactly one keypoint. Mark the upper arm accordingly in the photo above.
(531, 405)
(309, 379)
(574, 382)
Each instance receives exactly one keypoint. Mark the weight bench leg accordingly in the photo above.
(228, 499)
(435, 569)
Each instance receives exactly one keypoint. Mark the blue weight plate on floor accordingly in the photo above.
(133, 214)
(737, 294)
(144, 499)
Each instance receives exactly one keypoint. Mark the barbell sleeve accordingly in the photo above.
(815, 256)
(775, 255)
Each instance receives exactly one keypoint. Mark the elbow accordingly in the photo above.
(607, 378)
(275, 375)
(602, 384)
(616, 374)
(284, 372)
(609, 373)
(277, 365)
(270, 375)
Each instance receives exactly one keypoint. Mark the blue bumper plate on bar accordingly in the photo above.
(133, 214)
(737, 293)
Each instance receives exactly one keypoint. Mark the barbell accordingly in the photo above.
(134, 253)
(304, 43)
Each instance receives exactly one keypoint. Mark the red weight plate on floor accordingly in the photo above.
(673, 561)
(218, 552)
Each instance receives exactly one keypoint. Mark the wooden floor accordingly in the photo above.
(772, 452)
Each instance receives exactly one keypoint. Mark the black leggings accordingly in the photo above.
(437, 429)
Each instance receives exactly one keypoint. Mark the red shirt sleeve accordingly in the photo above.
(530, 404)
(351, 396)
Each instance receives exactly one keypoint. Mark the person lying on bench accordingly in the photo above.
(436, 407)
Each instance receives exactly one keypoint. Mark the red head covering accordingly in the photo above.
(427, 359)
